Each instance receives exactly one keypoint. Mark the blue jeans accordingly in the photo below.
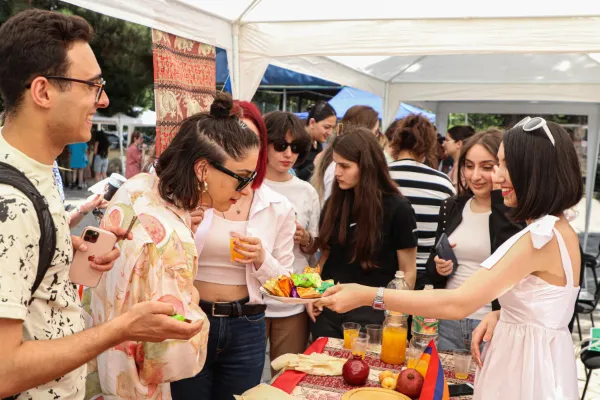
(235, 360)
(456, 335)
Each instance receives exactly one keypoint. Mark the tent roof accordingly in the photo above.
(384, 42)
(274, 76)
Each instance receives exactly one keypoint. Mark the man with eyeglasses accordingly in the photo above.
(52, 85)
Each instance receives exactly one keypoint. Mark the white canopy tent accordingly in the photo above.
(459, 56)
(120, 120)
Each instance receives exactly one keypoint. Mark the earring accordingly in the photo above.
(204, 187)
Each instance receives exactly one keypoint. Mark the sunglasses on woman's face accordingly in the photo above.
(243, 182)
(282, 146)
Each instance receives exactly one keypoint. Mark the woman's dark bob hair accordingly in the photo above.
(547, 179)
(280, 123)
(213, 136)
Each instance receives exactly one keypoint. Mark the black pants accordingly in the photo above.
(329, 323)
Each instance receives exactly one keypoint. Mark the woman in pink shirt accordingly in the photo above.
(134, 155)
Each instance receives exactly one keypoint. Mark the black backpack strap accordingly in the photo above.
(10, 175)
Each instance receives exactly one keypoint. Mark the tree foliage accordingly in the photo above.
(123, 50)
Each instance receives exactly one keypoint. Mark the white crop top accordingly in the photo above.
(214, 263)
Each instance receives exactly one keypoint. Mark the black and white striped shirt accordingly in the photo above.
(426, 189)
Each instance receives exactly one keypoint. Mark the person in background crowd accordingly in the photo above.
(389, 132)
(535, 274)
(413, 143)
(445, 162)
(260, 228)
(210, 163)
(51, 84)
(455, 139)
(78, 161)
(319, 124)
(101, 147)
(355, 117)
(366, 230)
(476, 224)
(287, 325)
(135, 155)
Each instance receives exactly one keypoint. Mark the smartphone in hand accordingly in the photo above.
(445, 252)
(99, 242)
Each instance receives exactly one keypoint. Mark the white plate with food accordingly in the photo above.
(288, 300)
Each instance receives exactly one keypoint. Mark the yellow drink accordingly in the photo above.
(349, 334)
(460, 375)
(233, 252)
(393, 345)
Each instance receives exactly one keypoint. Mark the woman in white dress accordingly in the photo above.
(535, 274)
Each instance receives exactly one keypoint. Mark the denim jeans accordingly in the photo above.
(456, 335)
(234, 360)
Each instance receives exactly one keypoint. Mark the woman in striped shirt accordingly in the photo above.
(414, 143)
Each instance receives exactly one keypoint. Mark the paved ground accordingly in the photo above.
(76, 197)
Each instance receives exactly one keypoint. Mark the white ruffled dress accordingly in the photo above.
(531, 354)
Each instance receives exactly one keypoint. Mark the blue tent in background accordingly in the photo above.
(348, 97)
(274, 76)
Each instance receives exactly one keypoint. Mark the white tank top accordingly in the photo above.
(214, 263)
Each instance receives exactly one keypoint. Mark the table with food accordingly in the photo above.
(374, 361)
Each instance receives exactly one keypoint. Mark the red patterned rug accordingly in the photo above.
(184, 82)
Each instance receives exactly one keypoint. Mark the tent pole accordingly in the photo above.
(284, 105)
(593, 143)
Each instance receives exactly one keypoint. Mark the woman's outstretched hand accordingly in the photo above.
(346, 297)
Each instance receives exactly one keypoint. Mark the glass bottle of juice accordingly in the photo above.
(395, 328)
(393, 339)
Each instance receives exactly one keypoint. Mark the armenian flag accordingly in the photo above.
(435, 386)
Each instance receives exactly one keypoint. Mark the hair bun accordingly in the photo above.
(222, 106)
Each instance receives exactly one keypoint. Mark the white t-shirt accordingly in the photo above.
(55, 310)
(472, 238)
(305, 200)
(328, 179)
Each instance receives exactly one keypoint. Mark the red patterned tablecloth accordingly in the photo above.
(313, 387)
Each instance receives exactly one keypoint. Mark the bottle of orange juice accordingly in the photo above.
(393, 339)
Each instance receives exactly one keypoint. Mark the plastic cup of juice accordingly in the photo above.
(351, 330)
(462, 364)
(359, 344)
(233, 236)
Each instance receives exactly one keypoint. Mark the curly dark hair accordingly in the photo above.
(416, 134)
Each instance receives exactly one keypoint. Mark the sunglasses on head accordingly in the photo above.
(243, 182)
(282, 146)
(529, 124)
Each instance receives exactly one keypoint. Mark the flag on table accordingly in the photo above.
(435, 386)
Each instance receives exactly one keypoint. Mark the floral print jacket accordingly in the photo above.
(160, 263)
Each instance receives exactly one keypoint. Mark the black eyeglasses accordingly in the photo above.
(100, 85)
(282, 146)
(243, 182)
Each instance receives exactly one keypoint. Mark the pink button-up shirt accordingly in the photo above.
(273, 221)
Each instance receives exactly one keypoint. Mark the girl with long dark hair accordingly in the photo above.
(367, 228)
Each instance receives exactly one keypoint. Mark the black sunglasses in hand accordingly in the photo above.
(281, 146)
(243, 182)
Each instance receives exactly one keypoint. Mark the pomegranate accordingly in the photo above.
(410, 383)
(355, 371)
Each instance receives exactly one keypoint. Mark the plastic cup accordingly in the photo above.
(462, 364)
(351, 330)
(374, 332)
(359, 344)
(233, 236)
